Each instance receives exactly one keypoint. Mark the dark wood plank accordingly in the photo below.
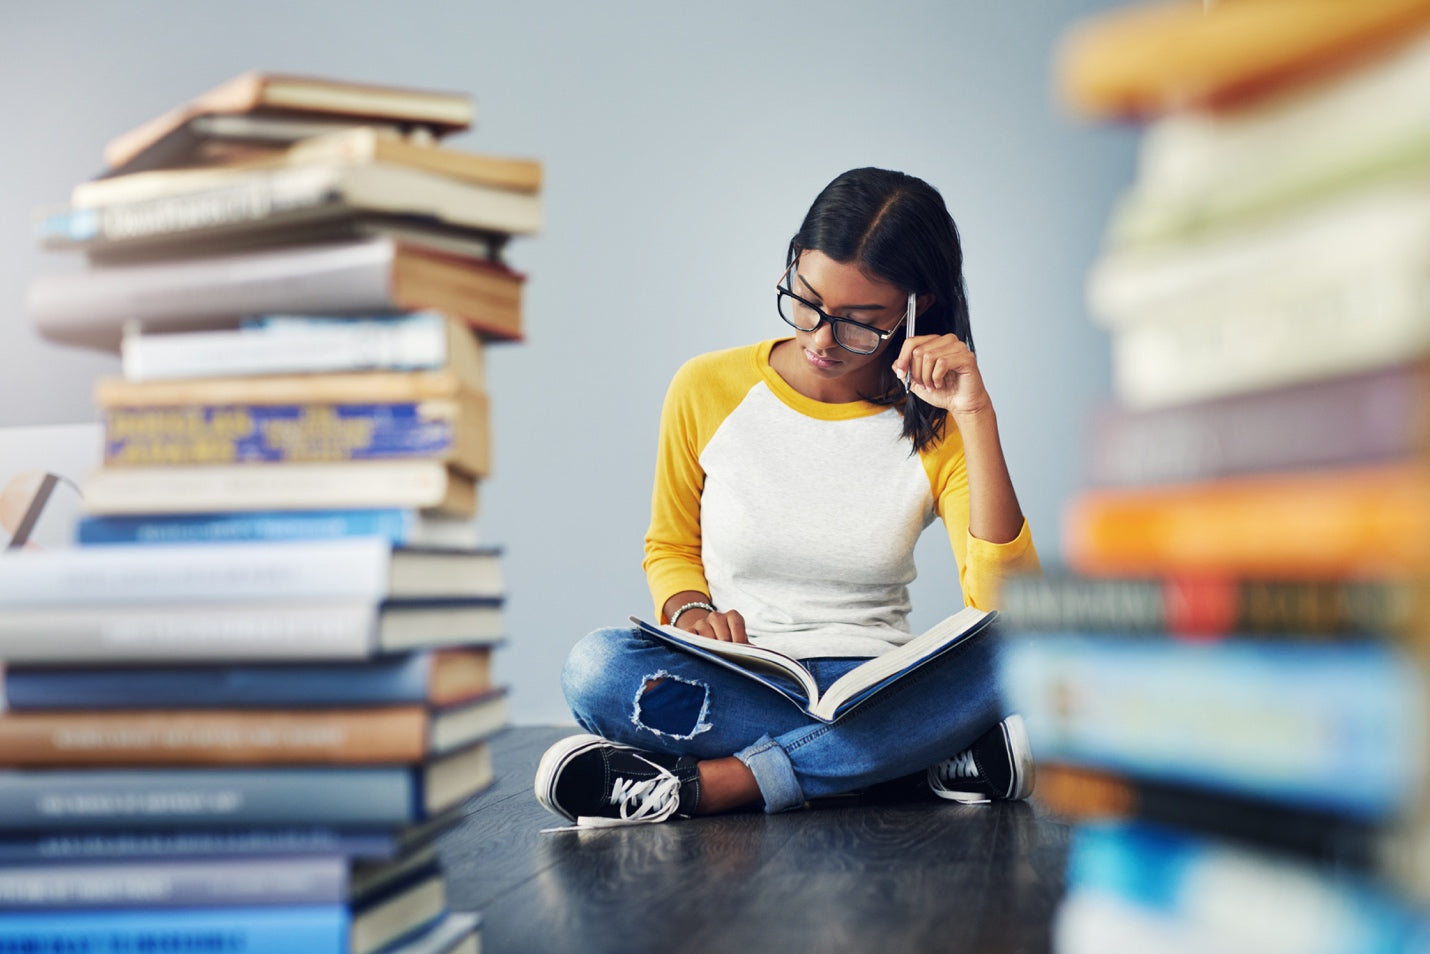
(888, 876)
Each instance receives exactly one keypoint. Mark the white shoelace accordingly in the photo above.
(949, 770)
(640, 802)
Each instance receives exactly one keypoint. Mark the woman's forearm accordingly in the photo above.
(993, 511)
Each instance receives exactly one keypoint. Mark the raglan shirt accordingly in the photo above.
(803, 515)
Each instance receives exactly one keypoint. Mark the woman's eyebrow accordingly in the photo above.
(816, 294)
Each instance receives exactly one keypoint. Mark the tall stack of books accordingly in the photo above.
(241, 710)
(1225, 685)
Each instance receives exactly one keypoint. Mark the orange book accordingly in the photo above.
(1362, 522)
(1152, 58)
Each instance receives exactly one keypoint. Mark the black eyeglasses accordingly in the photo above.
(851, 335)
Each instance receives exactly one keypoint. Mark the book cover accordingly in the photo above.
(1152, 58)
(785, 675)
(205, 632)
(1278, 721)
(237, 200)
(453, 431)
(350, 485)
(40, 846)
(439, 678)
(1352, 522)
(286, 93)
(381, 735)
(92, 308)
(400, 527)
(275, 347)
(274, 929)
(1209, 606)
(366, 568)
(1375, 416)
(164, 799)
(339, 141)
(1081, 794)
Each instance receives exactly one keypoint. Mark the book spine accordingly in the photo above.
(1276, 721)
(201, 632)
(390, 734)
(416, 342)
(91, 308)
(295, 929)
(176, 883)
(254, 433)
(219, 843)
(1207, 606)
(1378, 416)
(354, 485)
(389, 680)
(192, 573)
(134, 800)
(1363, 522)
(398, 527)
(1083, 795)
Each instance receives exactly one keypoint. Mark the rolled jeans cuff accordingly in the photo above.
(774, 773)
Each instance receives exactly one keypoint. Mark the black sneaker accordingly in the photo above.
(597, 783)
(997, 767)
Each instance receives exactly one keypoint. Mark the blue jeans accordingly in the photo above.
(627, 687)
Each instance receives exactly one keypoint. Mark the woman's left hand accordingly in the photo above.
(944, 373)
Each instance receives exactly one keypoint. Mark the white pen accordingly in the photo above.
(909, 333)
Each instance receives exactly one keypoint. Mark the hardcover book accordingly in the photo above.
(92, 308)
(787, 676)
(401, 527)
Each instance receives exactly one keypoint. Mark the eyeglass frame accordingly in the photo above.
(834, 320)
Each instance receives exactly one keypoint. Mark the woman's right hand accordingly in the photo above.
(728, 627)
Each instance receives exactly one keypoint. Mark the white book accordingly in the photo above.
(267, 198)
(92, 308)
(1328, 324)
(351, 568)
(1368, 232)
(422, 484)
(252, 631)
(310, 345)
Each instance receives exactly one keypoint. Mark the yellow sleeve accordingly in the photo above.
(702, 394)
(982, 565)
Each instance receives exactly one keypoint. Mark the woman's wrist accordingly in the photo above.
(704, 607)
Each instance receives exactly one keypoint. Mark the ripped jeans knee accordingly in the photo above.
(671, 706)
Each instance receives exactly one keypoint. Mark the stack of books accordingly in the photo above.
(1224, 686)
(238, 713)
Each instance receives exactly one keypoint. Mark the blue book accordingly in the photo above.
(89, 800)
(42, 846)
(1338, 727)
(398, 526)
(442, 677)
(216, 431)
(294, 929)
(1171, 890)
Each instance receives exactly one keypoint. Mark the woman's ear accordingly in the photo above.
(924, 301)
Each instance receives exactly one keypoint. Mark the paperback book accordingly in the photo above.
(787, 676)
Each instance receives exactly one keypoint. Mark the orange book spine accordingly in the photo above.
(388, 735)
(1153, 58)
(1369, 522)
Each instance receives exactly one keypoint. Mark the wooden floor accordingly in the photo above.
(886, 875)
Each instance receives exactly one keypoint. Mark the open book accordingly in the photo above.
(787, 676)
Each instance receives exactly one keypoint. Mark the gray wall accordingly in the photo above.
(682, 144)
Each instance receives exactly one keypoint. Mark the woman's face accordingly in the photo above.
(841, 289)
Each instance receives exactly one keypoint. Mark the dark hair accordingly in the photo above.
(896, 228)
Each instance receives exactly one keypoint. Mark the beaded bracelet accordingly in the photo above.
(698, 604)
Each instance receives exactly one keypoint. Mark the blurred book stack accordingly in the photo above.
(1225, 685)
(239, 712)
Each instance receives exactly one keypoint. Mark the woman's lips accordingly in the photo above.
(819, 361)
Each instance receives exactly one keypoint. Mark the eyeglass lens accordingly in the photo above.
(850, 336)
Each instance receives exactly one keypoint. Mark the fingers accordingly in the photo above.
(728, 627)
(932, 361)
